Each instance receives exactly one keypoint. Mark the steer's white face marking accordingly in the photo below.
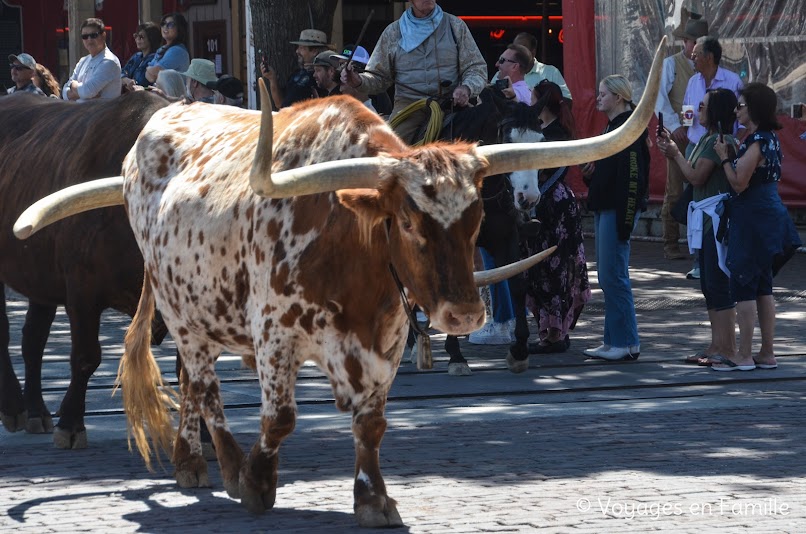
(439, 184)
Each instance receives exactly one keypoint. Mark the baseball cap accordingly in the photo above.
(24, 59)
(358, 55)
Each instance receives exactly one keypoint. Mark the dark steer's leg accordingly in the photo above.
(85, 357)
(12, 406)
(373, 507)
(35, 333)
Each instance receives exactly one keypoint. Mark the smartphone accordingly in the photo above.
(719, 127)
(660, 123)
(501, 84)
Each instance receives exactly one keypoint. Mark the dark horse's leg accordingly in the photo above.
(35, 334)
(505, 250)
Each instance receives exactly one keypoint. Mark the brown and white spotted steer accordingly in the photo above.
(304, 275)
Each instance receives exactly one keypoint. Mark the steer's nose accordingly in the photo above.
(459, 319)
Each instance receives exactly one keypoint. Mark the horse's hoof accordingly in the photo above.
(39, 425)
(517, 366)
(381, 513)
(15, 423)
(65, 439)
(459, 369)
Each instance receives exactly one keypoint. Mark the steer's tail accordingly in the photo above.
(146, 400)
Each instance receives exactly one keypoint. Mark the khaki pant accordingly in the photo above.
(674, 188)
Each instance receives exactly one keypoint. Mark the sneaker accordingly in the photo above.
(693, 274)
(491, 333)
(620, 353)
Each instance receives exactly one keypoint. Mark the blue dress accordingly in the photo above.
(761, 235)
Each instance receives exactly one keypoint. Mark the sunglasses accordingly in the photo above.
(138, 36)
(169, 25)
(740, 106)
(18, 67)
(93, 35)
(502, 59)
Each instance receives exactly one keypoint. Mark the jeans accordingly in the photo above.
(613, 269)
(499, 293)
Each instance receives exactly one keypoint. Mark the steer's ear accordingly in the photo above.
(366, 203)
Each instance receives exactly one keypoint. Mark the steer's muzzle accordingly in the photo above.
(458, 319)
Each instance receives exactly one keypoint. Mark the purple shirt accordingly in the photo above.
(695, 92)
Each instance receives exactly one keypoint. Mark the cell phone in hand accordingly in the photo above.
(660, 123)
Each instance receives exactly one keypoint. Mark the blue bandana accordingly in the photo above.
(414, 31)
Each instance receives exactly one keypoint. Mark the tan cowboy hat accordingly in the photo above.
(692, 26)
(201, 70)
(311, 37)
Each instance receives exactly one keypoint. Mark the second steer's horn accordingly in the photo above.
(308, 180)
(518, 156)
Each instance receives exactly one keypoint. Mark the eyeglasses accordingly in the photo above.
(93, 35)
(169, 25)
(502, 59)
(138, 36)
(18, 67)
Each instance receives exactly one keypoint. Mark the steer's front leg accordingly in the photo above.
(373, 508)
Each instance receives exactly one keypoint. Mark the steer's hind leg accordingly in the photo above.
(278, 413)
(200, 395)
(373, 507)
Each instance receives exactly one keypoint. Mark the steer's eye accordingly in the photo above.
(406, 225)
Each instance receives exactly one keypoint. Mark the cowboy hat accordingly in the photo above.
(311, 37)
(692, 26)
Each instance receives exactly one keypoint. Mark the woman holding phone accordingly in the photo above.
(703, 172)
(761, 235)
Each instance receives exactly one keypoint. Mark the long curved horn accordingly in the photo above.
(69, 201)
(493, 276)
(317, 178)
(517, 156)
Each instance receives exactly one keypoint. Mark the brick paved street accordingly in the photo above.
(569, 446)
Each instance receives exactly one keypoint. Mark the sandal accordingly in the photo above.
(694, 359)
(768, 366)
(730, 365)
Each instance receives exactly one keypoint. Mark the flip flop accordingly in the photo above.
(694, 359)
(768, 366)
(710, 359)
(730, 365)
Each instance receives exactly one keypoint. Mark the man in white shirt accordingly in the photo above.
(512, 66)
(96, 75)
(677, 71)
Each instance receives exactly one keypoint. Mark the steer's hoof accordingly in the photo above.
(254, 500)
(39, 425)
(65, 439)
(517, 366)
(381, 512)
(459, 369)
(208, 451)
(192, 473)
(15, 423)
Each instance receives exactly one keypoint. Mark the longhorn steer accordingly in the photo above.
(302, 277)
(88, 263)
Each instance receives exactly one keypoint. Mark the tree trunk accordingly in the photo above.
(275, 24)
